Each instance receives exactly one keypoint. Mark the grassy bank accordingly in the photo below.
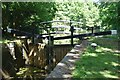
(108, 42)
(99, 63)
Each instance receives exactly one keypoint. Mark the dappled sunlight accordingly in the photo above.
(97, 63)
(66, 75)
(87, 74)
(108, 74)
(91, 54)
(106, 49)
(103, 49)
(71, 60)
(22, 71)
(74, 50)
(61, 64)
(98, 50)
(106, 63)
(31, 72)
(25, 72)
(110, 50)
(115, 64)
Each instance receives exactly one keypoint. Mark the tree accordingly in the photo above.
(86, 12)
(108, 15)
(26, 15)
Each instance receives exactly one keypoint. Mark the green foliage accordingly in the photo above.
(109, 15)
(26, 15)
(104, 14)
(87, 13)
(15, 13)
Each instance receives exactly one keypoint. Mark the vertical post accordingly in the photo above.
(33, 32)
(33, 41)
(50, 51)
(50, 40)
(72, 30)
(19, 56)
(1, 43)
(92, 28)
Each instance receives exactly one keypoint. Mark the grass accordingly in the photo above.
(107, 42)
(99, 63)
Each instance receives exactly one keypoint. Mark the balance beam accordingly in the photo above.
(87, 34)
